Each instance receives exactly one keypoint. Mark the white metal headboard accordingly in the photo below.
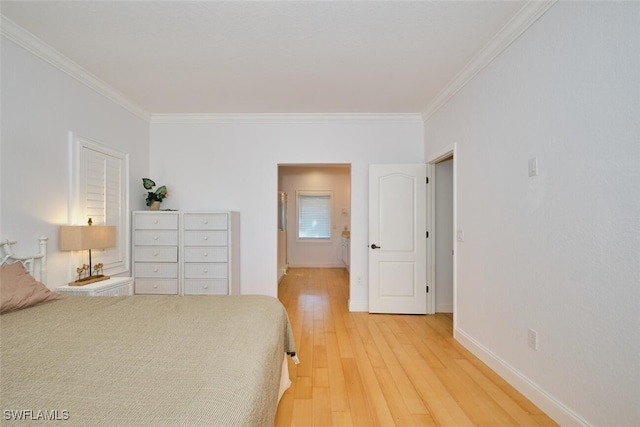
(8, 257)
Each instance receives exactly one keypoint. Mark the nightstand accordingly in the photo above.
(115, 286)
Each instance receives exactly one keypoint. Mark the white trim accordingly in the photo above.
(28, 41)
(444, 308)
(358, 306)
(317, 265)
(517, 25)
(431, 247)
(286, 118)
(546, 402)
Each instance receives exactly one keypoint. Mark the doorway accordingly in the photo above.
(443, 235)
(301, 183)
(442, 219)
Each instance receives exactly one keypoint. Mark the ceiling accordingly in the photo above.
(269, 56)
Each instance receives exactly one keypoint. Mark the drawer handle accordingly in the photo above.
(205, 254)
(155, 270)
(155, 254)
(155, 221)
(206, 221)
(155, 286)
(205, 287)
(155, 237)
(205, 270)
(206, 237)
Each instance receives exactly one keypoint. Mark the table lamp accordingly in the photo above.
(87, 237)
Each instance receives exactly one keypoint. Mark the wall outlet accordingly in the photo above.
(532, 338)
(460, 235)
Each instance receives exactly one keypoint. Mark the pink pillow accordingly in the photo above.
(18, 289)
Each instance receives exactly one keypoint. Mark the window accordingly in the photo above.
(99, 183)
(314, 214)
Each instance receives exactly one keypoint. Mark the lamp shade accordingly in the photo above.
(83, 237)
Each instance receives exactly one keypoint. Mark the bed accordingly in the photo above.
(143, 360)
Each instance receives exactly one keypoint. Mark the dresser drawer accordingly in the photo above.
(205, 254)
(206, 287)
(157, 269)
(156, 221)
(193, 270)
(156, 237)
(205, 221)
(156, 286)
(156, 253)
(205, 238)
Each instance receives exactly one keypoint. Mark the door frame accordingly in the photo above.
(438, 156)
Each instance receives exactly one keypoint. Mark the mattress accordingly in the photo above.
(145, 360)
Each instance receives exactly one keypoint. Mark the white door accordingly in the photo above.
(397, 238)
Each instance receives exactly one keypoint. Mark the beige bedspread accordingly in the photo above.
(145, 360)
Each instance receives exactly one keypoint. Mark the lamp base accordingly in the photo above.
(90, 279)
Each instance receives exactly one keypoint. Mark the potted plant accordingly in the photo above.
(154, 198)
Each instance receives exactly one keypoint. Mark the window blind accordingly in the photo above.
(314, 216)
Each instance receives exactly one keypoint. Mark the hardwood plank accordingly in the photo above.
(342, 419)
(321, 377)
(360, 369)
(386, 343)
(302, 411)
(339, 397)
(285, 409)
(375, 397)
(360, 415)
(502, 399)
(399, 411)
(304, 388)
(321, 416)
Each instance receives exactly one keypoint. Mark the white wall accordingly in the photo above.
(560, 252)
(234, 166)
(325, 254)
(40, 105)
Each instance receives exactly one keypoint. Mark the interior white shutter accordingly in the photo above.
(100, 187)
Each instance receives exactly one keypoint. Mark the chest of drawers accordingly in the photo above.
(206, 247)
(187, 253)
(155, 252)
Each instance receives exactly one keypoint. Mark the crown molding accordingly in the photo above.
(517, 25)
(286, 118)
(31, 43)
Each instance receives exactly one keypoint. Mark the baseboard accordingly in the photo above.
(317, 265)
(444, 308)
(547, 403)
(281, 273)
(355, 306)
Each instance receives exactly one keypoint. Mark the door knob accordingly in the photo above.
(374, 246)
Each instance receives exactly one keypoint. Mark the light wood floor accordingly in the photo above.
(360, 369)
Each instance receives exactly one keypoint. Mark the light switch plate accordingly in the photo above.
(532, 339)
(533, 166)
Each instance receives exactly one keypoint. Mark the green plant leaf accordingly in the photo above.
(148, 183)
